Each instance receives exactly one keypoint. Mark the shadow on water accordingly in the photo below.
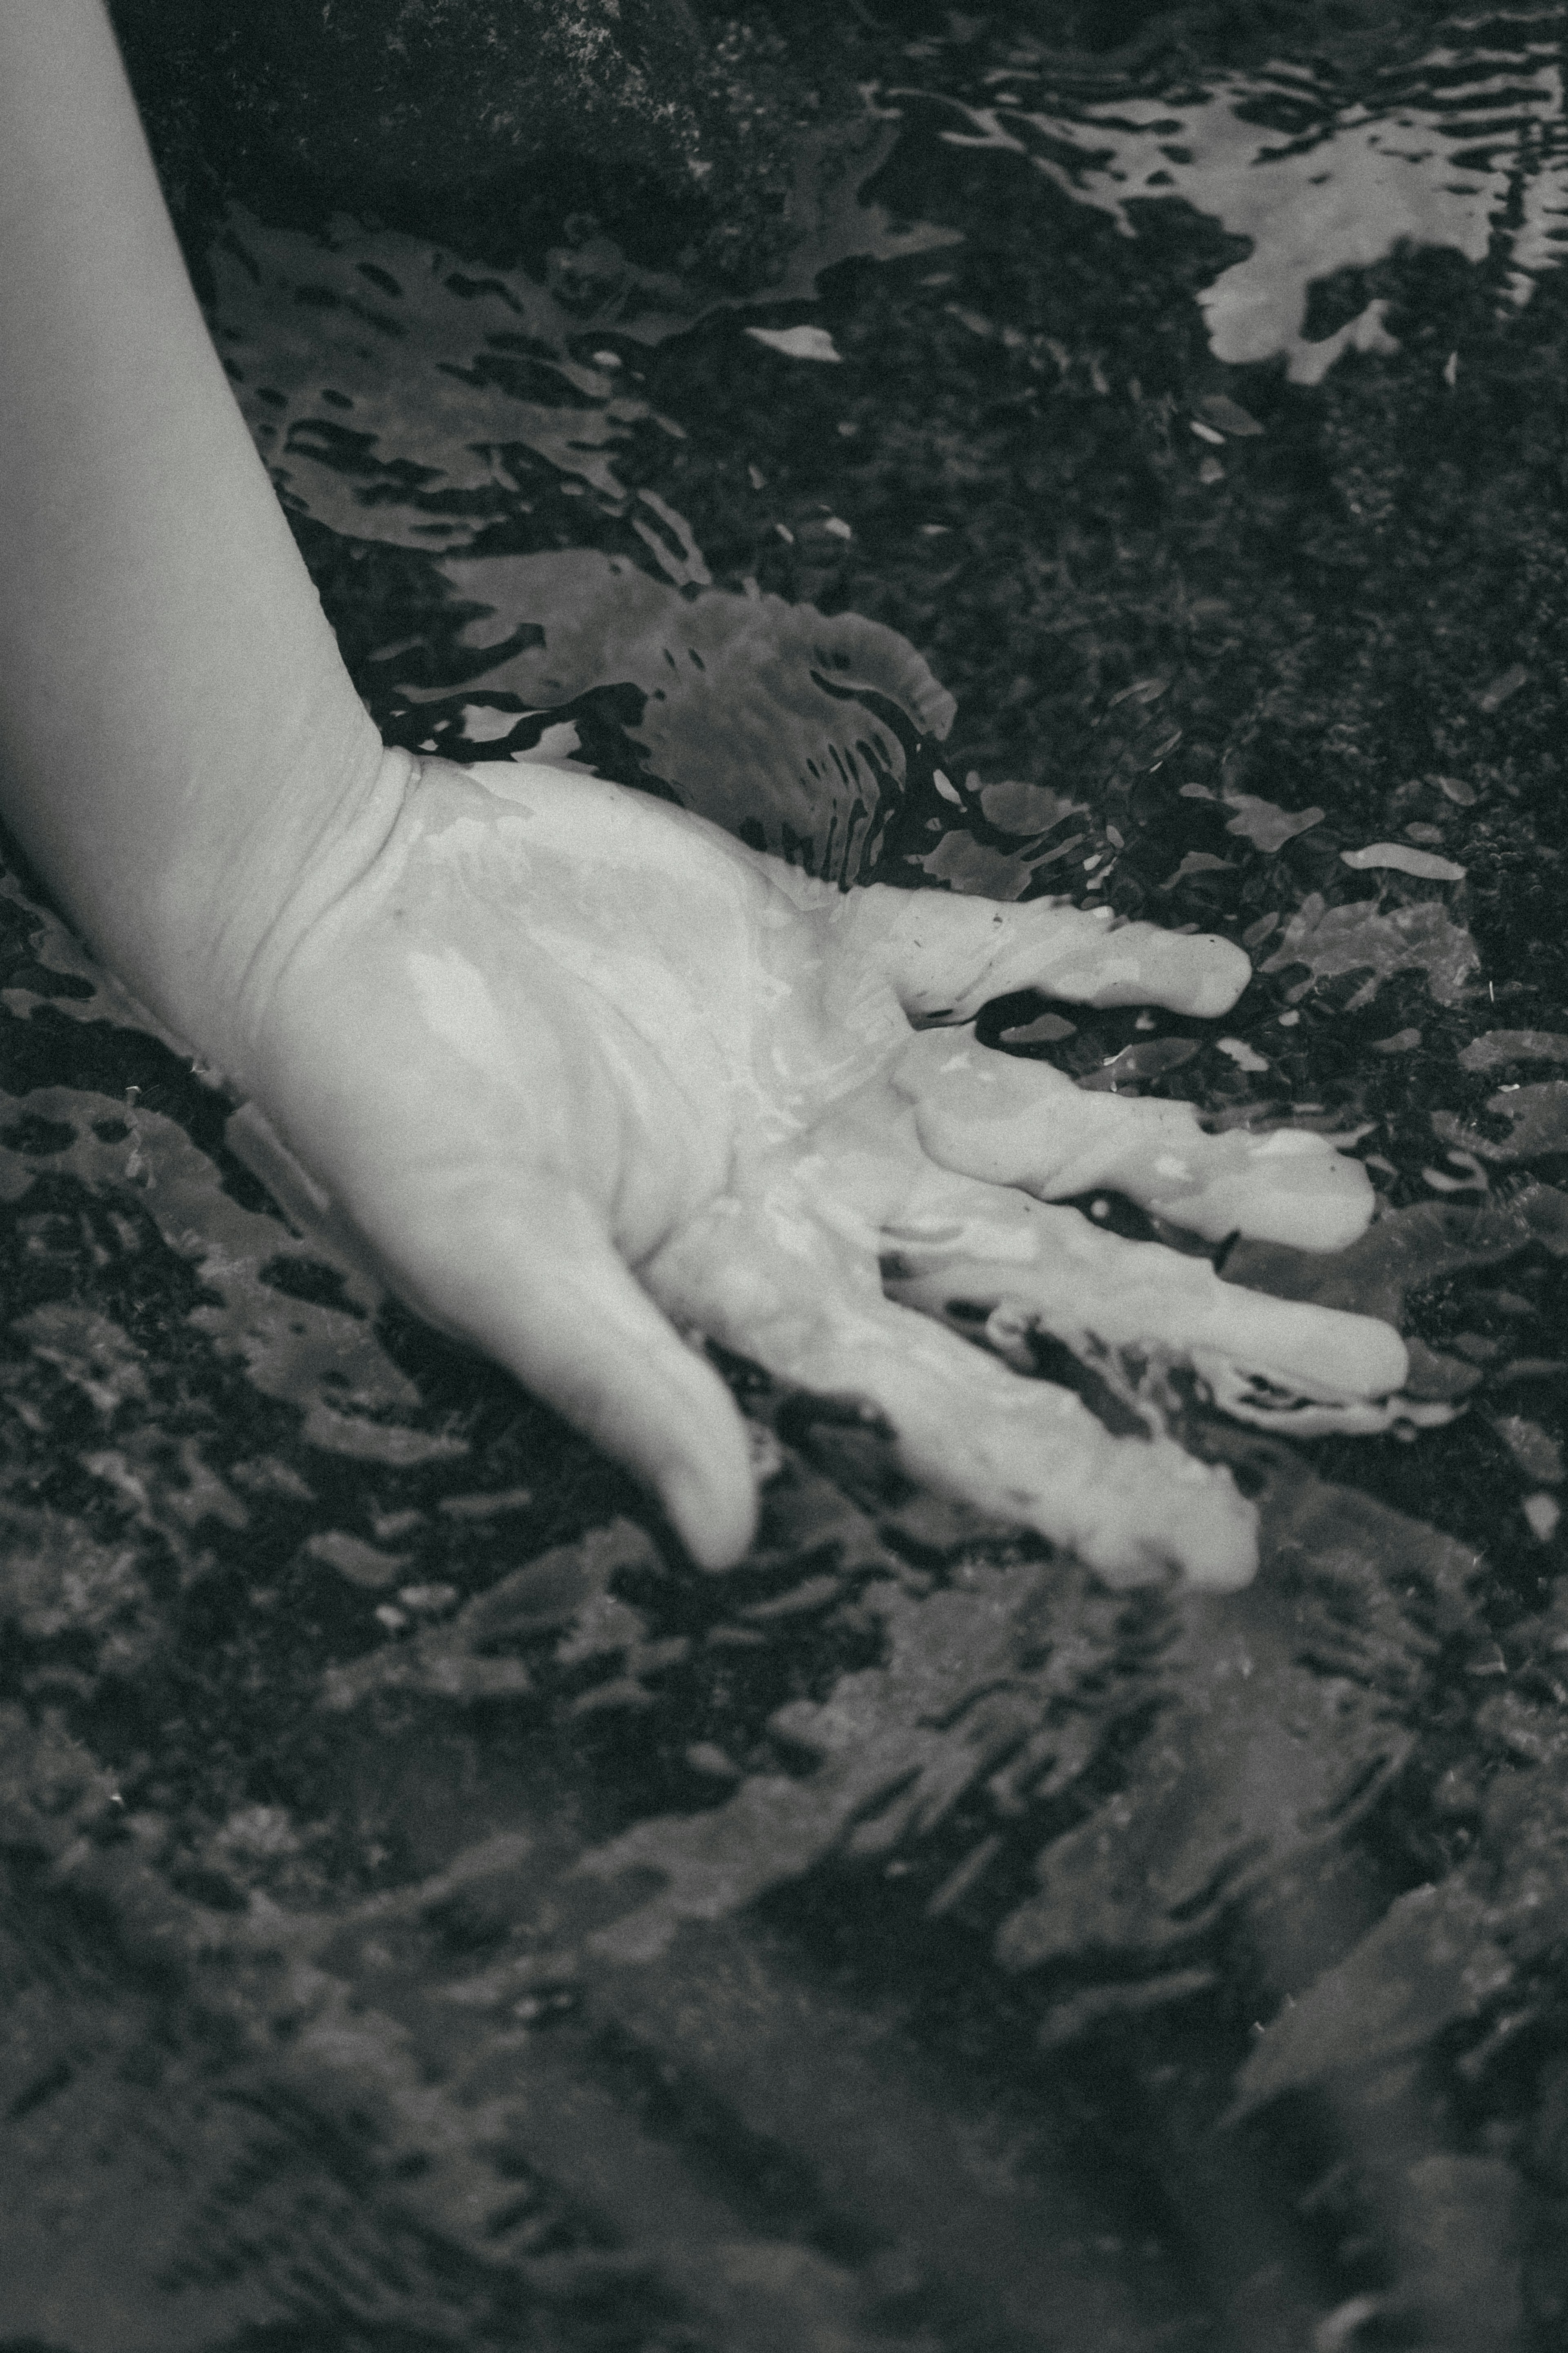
(435, 1916)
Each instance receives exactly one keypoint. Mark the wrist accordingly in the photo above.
(224, 926)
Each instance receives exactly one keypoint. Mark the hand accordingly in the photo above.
(587, 1074)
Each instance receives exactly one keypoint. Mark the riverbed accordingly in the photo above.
(437, 1915)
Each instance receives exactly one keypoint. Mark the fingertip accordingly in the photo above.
(1214, 1530)
(679, 1428)
(712, 1507)
(539, 1285)
(1220, 979)
(1188, 972)
(709, 1484)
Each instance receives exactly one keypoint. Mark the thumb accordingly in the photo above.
(536, 1283)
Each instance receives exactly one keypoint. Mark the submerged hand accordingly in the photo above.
(579, 1069)
(586, 1073)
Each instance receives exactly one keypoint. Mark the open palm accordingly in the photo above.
(588, 1076)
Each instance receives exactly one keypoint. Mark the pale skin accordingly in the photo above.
(592, 1082)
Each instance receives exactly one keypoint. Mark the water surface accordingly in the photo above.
(436, 1915)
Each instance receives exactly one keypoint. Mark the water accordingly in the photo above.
(438, 1917)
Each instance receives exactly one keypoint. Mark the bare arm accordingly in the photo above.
(182, 753)
(585, 1074)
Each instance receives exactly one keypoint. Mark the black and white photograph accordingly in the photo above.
(783, 1177)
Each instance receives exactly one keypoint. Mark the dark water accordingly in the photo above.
(435, 1916)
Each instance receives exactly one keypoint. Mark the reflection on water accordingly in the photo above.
(436, 1916)
(1465, 148)
(401, 394)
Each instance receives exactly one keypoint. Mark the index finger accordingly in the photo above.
(1090, 959)
(948, 956)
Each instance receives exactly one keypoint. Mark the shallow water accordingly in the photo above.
(435, 1915)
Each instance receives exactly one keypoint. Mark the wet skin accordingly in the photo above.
(588, 1075)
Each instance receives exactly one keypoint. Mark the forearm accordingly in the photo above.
(181, 752)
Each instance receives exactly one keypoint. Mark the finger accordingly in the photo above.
(810, 1310)
(948, 956)
(1022, 1123)
(960, 1248)
(536, 1282)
